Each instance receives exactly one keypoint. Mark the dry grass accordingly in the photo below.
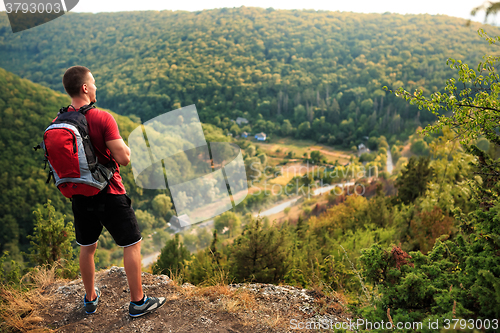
(235, 301)
(19, 309)
(274, 321)
(290, 171)
(241, 303)
(20, 305)
(216, 288)
(176, 277)
(327, 299)
(238, 300)
(299, 147)
(43, 276)
(219, 278)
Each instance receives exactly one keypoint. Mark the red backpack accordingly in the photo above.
(71, 157)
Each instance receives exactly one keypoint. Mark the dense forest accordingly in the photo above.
(304, 73)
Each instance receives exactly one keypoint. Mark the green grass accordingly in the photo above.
(299, 147)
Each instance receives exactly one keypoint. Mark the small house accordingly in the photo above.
(241, 120)
(180, 222)
(244, 134)
(260, 136)
(362, 149)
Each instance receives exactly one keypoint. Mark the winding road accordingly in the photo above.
(389, 165)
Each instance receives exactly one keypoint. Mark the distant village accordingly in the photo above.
(243, 121)
(262, 136)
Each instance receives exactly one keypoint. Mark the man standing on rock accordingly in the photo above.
(110, 208)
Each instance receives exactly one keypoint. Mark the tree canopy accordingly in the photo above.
(323, 71)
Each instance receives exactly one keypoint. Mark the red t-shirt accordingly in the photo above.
(102, 128)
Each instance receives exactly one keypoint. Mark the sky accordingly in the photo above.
(457, 8)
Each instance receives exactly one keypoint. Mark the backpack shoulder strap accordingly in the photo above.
(84, 109)
(64, 110)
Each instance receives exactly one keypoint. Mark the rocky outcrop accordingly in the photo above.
(254, 307)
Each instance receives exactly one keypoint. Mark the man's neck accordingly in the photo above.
(79, 102)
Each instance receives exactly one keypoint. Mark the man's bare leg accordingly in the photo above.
(133, 265)
(87, 269)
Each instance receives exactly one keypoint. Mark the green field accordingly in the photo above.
(279, 148)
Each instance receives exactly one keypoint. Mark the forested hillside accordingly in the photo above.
(291, 65)
(26, 110)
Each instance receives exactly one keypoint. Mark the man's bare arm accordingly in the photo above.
(119, 150)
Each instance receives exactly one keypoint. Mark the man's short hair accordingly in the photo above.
(74, 78)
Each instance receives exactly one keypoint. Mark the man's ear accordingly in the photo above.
(85, 88)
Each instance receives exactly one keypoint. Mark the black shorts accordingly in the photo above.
(109, 210)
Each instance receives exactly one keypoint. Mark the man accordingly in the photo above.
(110, 208)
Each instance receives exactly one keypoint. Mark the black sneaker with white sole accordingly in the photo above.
(150, 304)
(91, 306)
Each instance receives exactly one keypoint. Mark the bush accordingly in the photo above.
(396, 154)
(51, 241)
(259, 254)
(372, 143)
(11, 272)
(420, 147)
(172, 257)
(367, 157)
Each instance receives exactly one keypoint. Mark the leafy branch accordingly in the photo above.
(473, 110)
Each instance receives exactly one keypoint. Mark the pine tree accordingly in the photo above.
(216, 255)
(260, 254)
(172, 257)
(207, 266)
(413, 180)
(301, 228)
